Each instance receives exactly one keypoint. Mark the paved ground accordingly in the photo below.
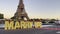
(45, 30)
(28, 31)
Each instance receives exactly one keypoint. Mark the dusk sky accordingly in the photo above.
(34, 8)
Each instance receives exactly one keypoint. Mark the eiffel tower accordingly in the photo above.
(20, 13)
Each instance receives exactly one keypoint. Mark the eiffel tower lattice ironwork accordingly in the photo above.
(20, 13)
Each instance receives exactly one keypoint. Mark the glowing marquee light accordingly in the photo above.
(21, 25)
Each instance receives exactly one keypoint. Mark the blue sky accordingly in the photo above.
(34, 8)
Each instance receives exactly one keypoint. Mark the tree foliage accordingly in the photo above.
(1, 16)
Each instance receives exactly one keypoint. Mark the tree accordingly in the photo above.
(12, 17)
(52, 21)
(1, 16)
